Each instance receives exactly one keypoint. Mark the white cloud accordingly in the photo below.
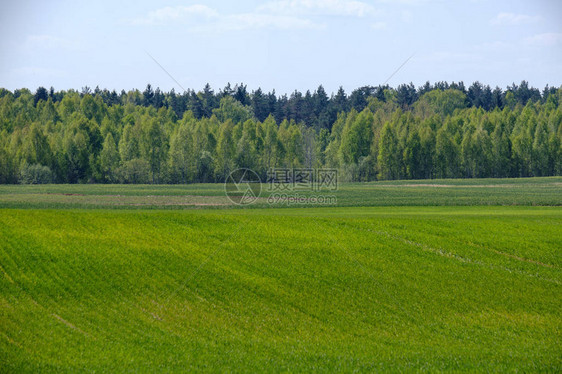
(279, 14)
(257, 21)
(202, 18)
(175, 14)
(503, 19)
(378, 25)
(350, 8)
(546, 39)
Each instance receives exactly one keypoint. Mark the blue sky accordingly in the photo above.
(278, 44)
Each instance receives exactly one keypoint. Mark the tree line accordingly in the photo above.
(433, 131)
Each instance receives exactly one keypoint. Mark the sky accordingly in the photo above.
(284, 45)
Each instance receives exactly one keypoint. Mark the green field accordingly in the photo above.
(437, 192)
(461, 275)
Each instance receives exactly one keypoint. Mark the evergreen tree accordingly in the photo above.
(40, 94)
(148, 96)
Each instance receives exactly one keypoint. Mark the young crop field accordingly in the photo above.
(462, 275)
(437, 192)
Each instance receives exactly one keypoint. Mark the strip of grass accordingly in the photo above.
(445, 192)
(334, 289)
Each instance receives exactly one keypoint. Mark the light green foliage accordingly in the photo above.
(246, 146)
(412, 156)
(76, 156)
(447, 157)
(129, 144)
(293, 139)
(455, 141)
(273, 150)
(7, 168)
(181, 158)
(388, 158)
(153, 147)
(233, 110)
(224, 161)
(333, 147)
(356, 138)
(35, 148)
(109, 158)
(35, 174)
(540, 157)
(134, 171)
(440, 102)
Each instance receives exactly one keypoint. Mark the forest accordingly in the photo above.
(437, 130)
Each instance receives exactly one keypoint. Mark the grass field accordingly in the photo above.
(436, 192)
(393, 278)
